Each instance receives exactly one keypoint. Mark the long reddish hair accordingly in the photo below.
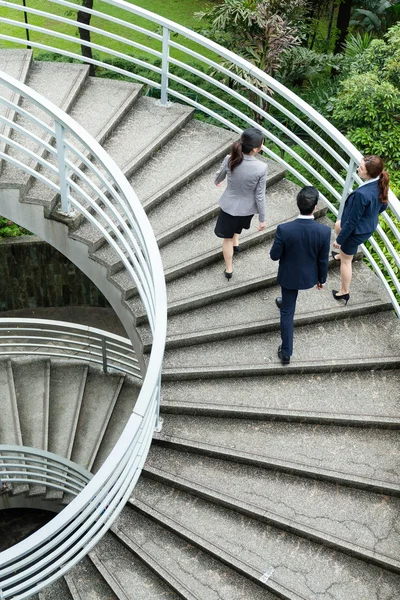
(374, 166)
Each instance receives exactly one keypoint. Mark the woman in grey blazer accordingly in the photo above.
(244, 195)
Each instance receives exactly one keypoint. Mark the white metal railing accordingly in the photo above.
(254, 99)
(58, 339)
(32, 466)
(90, 185)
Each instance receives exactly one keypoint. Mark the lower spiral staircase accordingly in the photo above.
(264, 482)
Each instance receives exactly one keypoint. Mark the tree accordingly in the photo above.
(84, 34)
(342, 23)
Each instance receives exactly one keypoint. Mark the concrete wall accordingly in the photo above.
(34, 274)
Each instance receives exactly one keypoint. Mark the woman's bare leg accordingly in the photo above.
(227, 251)
(346, 272)
(235, 239)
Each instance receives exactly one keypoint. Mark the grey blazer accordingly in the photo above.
(245, 192)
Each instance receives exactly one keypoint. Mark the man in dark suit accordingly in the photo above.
(302, 248)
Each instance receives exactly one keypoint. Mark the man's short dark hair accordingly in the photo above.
(307, 198)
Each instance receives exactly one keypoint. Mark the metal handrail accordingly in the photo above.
(335, 180)
(58, 339)
(30, 565)
(26, 465)
(83, 522)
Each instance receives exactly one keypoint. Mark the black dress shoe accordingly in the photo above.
(236, 249)
(278, 302)
(285, 360)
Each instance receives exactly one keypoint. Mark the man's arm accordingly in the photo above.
(323, 258)
(278, 245)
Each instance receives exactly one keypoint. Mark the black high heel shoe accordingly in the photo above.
(334, 255)
(345, 297)
(228, 275)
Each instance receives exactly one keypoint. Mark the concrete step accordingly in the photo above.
(60, 83)
(196, 203)
(202, 285)
(15, 63)
(142, 132)
(101, 105)
(119, 418)
(257, 312)
(56, 591)
(32, 385)
(191, 573)
(99, 399)
(201, 240)
(290, 566)
(10, 429)
(305, 398)
(125, 574)
(83, 582)
(194, 149)
(363, 342)
(352, 521)
(64, 414)
(360, 457)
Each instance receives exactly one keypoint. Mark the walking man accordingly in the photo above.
(302, 248)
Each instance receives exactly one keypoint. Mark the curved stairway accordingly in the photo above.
(265, 482)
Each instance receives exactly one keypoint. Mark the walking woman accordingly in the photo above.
(360, 218)
(244, 195)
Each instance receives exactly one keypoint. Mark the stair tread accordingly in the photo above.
(63, 416)
(10, 430)
(281, 207)
(196, 197)
(231, 316)
(56, 591)
(100, 395)
(31, 380)
(84, 582)
(126, 574)
(297, 568)
(356, 520)
(368, 336)
(119, 418)
(66, 81)
(98, 108)
(364, 456)
(322, 396)
(194, 574)
(185, 152)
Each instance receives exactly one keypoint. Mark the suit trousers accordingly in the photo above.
(289, 298)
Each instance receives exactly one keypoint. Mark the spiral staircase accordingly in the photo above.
(264, 481)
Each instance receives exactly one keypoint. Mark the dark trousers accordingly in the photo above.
(289, 298)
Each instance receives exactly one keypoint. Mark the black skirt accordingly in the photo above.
(227, 225)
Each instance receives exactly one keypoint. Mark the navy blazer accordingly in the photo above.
(360, 213)
(302, 248)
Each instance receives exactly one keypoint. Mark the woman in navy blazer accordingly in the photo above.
(360, 218)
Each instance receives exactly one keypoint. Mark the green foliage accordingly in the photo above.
(375, 15)
(10, 229)
(356, 44)
(300, 65)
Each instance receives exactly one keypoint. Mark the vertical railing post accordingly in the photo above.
(348, 185)
(159, 421)
(165, 66)
(62, 168)
(104, 354)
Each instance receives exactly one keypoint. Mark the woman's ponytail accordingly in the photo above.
(236, 156)
(251, 138)
(383, 185)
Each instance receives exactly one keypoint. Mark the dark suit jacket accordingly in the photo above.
(302, 248)
(360, 213)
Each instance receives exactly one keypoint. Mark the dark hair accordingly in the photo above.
(374, 166)
(307, 198)
(251, 138)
